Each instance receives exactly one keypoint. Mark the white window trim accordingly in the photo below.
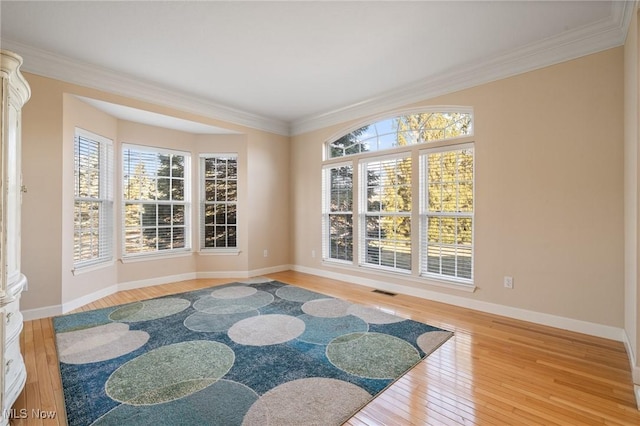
(107, 176)
(216, 251)
(158, 254)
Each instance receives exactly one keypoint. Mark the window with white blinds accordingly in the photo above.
(93, 199)
(156, 201)
(219, 201)
(337, 208)
(385, 218)
(447, 212)
(409, 210)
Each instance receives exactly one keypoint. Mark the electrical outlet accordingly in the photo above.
(266, 253)
(508, 282)
(313, 253)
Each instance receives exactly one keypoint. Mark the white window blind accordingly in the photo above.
(156, 205)
(337, 207)
(93, 199)
(219, 201)
(385, 218)
(447, 213)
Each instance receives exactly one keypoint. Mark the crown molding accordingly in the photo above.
(47, 64)
(595, 37)
(598, 36)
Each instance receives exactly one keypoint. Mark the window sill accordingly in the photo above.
(155, 256)
(404, 276)
(79, 270)
(219, 252)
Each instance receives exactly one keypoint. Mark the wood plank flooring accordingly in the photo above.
(494, 371)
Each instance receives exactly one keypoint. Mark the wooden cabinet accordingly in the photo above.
(14, 93)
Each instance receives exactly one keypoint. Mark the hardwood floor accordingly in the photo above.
(494, 370)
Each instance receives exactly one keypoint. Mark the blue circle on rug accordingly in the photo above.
(321, 331)
(224, 402)
(214, 305)
(215, 323)
(297, 294)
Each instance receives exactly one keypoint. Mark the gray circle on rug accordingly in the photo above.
(234, 292)
(372, 315)
(209, 323)
(263, 330)
(312, 401)
(327, 308)
(99, 343)
(213, 305)
(297, 294)
(225, 402)
(147, 310)
(430, 341)
(321, 331)
(170, 372)
(372, 355)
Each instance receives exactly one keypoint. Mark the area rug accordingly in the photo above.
(258, 352)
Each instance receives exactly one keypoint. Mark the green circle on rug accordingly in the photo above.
(372, 355)
(149, 309)
(170, 372)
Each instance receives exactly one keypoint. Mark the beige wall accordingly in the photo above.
(49, 122)
(549, 191)
(79, 114)
(631, 191)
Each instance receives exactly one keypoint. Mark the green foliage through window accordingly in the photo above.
(410, 129)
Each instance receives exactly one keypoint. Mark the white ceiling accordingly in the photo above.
(292, 66)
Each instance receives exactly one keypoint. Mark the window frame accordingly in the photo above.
(413, 151)
(426, 213)
(364, 213)
(203, 203)
(105, 200)
(186, 179)
(327, 213)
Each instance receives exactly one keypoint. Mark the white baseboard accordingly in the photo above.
(37, 313)
(243, 274)
(52, 311)
(130, 285)
(579, 326)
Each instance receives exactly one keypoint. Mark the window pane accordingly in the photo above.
(177, 189)
(449, 236)
(219, 193)
(177, 166)
(93, 204)
(153, 182)
(402, 131)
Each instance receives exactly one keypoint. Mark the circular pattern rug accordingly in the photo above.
(249, 353)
